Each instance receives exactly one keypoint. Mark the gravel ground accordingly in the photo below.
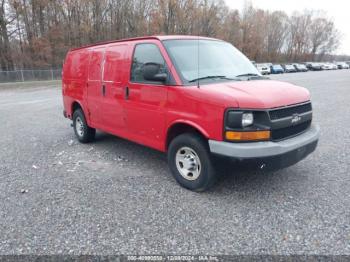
(116, 197)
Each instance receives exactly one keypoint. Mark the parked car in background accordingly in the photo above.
(289, 68)
(334, 66)
(327, 66)
(342, 65)
(276, 69)
(300, 68)
(314, 66)
(263, 69)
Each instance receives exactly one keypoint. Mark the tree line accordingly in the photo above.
(38, 33)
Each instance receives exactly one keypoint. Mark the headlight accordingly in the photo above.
(245, 125)
(239, 119)
(247, 119)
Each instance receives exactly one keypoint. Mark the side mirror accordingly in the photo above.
(151, 72)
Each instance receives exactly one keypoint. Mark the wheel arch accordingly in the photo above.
(180, 127)
(76, 105)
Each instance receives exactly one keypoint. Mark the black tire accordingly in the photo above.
(85, 134)
(200, 148)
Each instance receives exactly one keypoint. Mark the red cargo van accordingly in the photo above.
(192, 97)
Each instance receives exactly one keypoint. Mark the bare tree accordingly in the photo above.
(6, 61)
(298, 40)
(323, 36)
(277, 28)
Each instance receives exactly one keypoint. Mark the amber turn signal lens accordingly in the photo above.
(247, 136)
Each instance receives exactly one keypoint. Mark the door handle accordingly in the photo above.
(103, 90)
(126, 93)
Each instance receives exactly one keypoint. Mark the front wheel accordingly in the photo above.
(190, 162)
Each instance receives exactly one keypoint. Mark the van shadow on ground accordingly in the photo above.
(232, 175)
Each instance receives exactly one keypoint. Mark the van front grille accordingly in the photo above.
(282, 133)
(289, 111)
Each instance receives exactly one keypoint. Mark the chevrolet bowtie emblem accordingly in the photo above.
(296, 118)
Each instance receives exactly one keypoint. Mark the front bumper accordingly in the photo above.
(270, 154)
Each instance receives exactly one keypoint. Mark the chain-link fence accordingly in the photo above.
(30, 75)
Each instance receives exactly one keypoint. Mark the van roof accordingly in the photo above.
(157, 37)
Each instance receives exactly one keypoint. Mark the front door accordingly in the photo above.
(145, 100)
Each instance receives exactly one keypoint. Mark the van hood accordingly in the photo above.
(258, 94)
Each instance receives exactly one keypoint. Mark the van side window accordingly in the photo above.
(146, 53)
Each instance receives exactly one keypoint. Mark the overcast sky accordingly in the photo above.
(338, 10)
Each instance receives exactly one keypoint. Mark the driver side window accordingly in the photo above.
(145, 53)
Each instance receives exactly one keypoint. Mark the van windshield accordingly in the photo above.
(208, 60)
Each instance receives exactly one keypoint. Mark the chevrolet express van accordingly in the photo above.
(191, 97)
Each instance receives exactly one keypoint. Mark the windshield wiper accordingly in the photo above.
(213, 77)
(252, 76)
(249, 74)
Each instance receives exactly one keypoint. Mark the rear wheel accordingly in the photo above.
(83, 132)
(190, 162)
